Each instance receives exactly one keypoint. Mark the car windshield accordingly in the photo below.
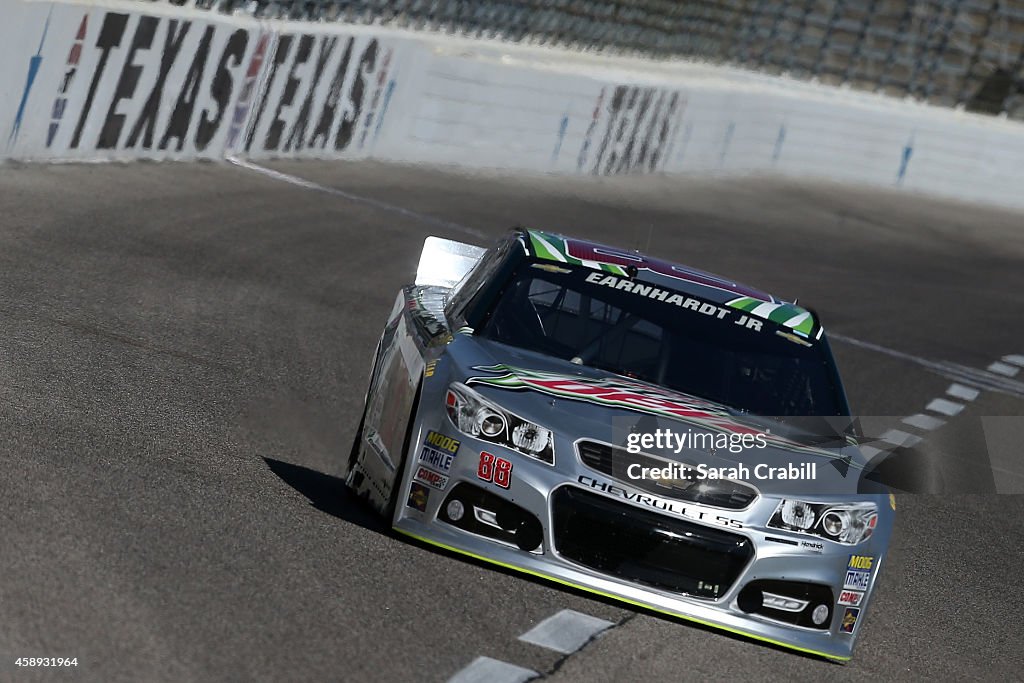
(714, 352)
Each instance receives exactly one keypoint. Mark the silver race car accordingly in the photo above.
(630, 427)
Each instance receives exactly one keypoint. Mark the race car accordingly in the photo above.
(628, 426)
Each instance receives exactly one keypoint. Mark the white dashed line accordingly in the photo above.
(925, 422)
(944, 407)
(962, 392)
(981, 379)
(487, 670)
(870, 451)
(1004, 369)
(899, 438)
(566, 631)
(1015, 360)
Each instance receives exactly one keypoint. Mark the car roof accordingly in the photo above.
(618, 262)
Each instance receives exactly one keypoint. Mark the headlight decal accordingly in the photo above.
(473, 414)
(844, 523)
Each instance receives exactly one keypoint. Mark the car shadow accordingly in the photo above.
(328, 494)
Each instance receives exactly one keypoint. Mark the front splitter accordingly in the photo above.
(423, 533)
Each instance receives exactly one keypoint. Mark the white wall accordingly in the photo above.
(160, 82)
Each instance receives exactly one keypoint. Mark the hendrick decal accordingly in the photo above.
(638, 125)
(184, 86)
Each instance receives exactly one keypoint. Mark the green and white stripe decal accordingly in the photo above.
(787, 315)
(553, 248)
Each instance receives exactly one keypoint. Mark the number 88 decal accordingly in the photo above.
(492, 468)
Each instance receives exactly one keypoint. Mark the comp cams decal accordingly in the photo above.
(431, 478)
(851, 598)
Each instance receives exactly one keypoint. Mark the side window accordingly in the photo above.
(475, 279)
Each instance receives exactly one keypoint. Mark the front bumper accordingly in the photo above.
(598, 536)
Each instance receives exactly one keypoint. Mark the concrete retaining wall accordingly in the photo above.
(121, 80)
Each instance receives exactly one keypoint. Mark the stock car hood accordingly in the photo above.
(580, 402)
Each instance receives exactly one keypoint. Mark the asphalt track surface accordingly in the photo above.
(182, 363)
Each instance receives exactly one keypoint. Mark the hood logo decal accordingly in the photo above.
(621, 393)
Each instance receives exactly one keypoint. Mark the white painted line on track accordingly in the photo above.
(962, 392)
(899, 438)
(869, 452)
(960, 373)
(376, 203)
(925, 422)
(945, 407)
(1004, 369)
(1014, 359)
(487, 670)
(566, 631)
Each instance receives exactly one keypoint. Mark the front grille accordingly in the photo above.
(615, 462)
(646, 547)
